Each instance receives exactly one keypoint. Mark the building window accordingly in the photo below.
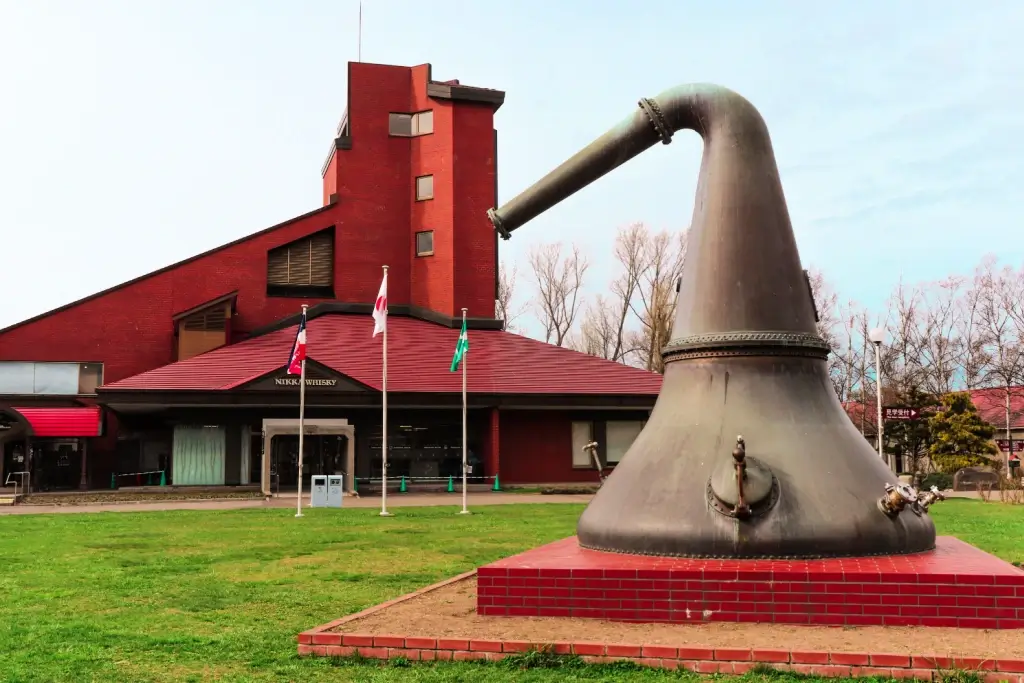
(411, 125)
(49, 379)
(613, 437)
(426, 450)
(425, 243)
(582, 434)
(619, 436)
(90, 376)
(304, 267)
(424, 187)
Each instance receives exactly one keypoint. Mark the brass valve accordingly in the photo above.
(897, 498)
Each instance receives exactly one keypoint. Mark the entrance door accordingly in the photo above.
(14, 461)
(324, 454)
(58, 465)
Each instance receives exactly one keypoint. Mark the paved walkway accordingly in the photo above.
(288, 501)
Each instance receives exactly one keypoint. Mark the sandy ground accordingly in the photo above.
(450, 612)
(288, 501)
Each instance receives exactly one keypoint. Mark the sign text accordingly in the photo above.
(294, 382)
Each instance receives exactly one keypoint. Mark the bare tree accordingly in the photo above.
(939, 343)
(599, 333)
(901, 354)
(663, 257)
(868, 419)
(505, 307)
(603, 329)
(973, 358)
(559, 278)
(999, 310)
(826, 304)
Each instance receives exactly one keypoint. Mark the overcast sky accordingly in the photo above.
(135, 133)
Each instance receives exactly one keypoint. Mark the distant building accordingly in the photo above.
(991, 405)
(180, 372)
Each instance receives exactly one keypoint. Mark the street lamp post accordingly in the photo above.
(877, 336)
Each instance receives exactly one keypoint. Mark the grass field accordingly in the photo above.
(195, 596)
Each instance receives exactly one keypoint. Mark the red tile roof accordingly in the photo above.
(991, 404)
(419, 358)
(63, 421)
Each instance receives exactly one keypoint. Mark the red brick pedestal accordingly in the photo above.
(956, 585)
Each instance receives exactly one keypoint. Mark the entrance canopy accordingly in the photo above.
(340, 427)
(56, 422)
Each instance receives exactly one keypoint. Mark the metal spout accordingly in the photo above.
(591, 450)
(741, 510)
(929, 498)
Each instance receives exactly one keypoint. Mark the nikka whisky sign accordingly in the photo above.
(293, 381)
(318, 378)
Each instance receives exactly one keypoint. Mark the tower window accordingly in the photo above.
(424, 187)
(411, 125)
(425, 243)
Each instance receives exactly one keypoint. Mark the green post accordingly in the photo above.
(163, 478)
(402, 488)
(149, 479)
(113, 481)
(497, 486)
(451, 484)
(355, 485)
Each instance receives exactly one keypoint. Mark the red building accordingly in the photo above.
(180, 372)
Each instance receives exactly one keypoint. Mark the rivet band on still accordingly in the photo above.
(657, 119)
(746, 343)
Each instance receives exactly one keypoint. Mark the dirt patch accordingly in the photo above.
(450, 612)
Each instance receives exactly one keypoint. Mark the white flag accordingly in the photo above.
(380, 308)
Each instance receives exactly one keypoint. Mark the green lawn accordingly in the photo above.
(191, 596)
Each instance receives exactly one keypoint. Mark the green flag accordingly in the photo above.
(461, 347)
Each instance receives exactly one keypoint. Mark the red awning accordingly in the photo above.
(63, 421)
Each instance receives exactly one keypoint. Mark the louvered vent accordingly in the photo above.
(308, 262)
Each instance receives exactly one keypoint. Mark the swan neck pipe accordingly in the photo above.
(687, 107)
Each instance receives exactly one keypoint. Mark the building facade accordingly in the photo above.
(176, 377)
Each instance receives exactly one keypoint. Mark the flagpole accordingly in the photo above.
(384, 422)
(465, 510)
(302, 423)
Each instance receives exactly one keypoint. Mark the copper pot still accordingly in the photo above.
(746, 359)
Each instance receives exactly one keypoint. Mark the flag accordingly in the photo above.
(461, 347)
(298, 353)
(380, 308)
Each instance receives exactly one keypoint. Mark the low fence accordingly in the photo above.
(401, 484)
(451, 483)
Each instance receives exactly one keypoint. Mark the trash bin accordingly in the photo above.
(334, 490)
(318, 495)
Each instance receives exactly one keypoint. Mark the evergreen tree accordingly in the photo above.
(959, 437)
(911, 439)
